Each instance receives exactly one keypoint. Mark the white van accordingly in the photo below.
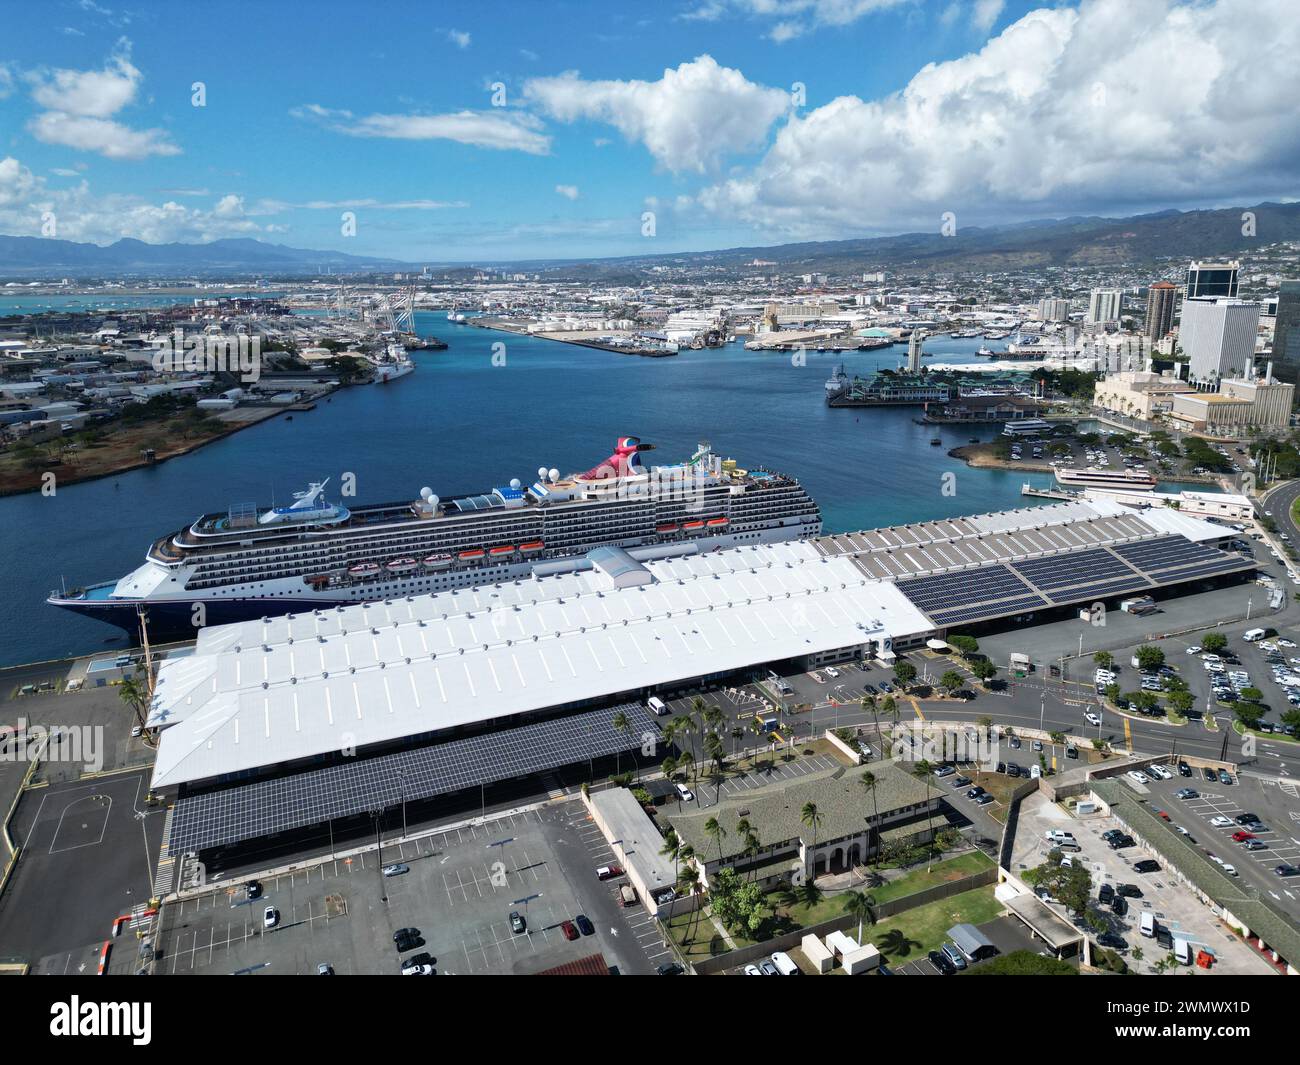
(1252, 635)
(1183, 951)
(1148, 925)
(785, 965)
(657, 706)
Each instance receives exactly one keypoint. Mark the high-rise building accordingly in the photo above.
(914, 351)
(1212, 279)
(1103, 305)
(1218, 337)
(1054, 310)
(1160, 309)
(1286, 333)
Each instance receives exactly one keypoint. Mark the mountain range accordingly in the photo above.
(1078, 241)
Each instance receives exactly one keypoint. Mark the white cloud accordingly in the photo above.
(689, 119)
(63, 171)
(94, 93)
(268, 206)
(567, 191)
(110, 139)
(79, 105)
(6, 81)
(985, 13)
(506, 130)
(85, 216)
(1064, 111)
(791, 18)
(459, 38)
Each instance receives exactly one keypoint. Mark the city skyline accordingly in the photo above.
(709, 124)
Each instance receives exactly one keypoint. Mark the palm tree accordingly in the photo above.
(869, 782)
(136, 696)
(924, 771)
(862, 906)
(714, 828)
(812, 817)
(672, 848)
(621, 724)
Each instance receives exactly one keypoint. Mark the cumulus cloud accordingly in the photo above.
(82, 215)
(498, 128)
(690, 119)
(110, 139)
(1063, 111)
(788, 19)
(569, 192)
(80, 105)
(459, 38)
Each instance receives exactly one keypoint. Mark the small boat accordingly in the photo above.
(714, 523)
(437, 561)
(936, 442)
(531, 546)
(364, 570)
(402, 565)
(667, 527)
(504, 549)
(472, 553)
(693, 525)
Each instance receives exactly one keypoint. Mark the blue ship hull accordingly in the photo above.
(175, 619)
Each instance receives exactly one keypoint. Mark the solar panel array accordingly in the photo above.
(986, 591)
(247, 811)
(1060, 571)
(1000, 590)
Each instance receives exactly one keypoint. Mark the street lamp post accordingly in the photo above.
(401, 780)
(379, 855)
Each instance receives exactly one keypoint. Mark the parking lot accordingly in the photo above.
(1172, 905)
(1277, 803)
(459, 890)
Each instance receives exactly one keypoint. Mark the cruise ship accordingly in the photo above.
(1095, 477)
(249, 562)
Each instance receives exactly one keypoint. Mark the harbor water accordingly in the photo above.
(466, 421)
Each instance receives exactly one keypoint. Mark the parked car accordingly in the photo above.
(1286, 869)
(396, 870)
(1092, 718)
(1225, 777)
(984, 799)
(671, 968)
(1106, 894)
(1113, 941)
(570, 930)
(684, 793)
(1241, 836)
(1187, 793)
(1119, 906)
(961, 782)
(517, 922)
(1146, 865)
(1128, 891)
(1219, 821)
(1138, 777)
(941, 964)
(416, 970)
(270, 917)
(975, 792)
(253, 889)
(1208, 773)
(609, 872)
(1246, 819)
(584, 925)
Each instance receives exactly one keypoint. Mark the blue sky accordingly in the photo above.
(685, 109)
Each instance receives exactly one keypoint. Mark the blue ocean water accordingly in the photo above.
(461, 423)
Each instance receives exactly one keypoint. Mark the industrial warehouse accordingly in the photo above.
(285, 723)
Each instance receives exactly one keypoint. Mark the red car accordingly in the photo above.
(1162, 815)
(1240, 836)
(609, 872)
(569, 929)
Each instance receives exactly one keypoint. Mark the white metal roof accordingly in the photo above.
(315, 684)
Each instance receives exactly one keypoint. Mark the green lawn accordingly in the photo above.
(920, 879)
(911, 935)
(704, 939)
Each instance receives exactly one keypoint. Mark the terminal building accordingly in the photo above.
(288, 723)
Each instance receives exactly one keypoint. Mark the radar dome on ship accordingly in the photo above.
(555, 475)
(514, 483)
(426, 492)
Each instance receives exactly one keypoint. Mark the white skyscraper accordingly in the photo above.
(1103, 305)
(1218, 337)
(1053, 310)
(914, 351)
